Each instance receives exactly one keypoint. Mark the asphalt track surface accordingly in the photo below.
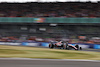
(46, 63)
(86, 49)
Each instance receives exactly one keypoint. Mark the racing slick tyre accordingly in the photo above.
(51, 46)
(80, 48)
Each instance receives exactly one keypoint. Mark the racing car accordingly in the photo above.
(64, 45)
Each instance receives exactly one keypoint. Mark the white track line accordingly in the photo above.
(50, 59)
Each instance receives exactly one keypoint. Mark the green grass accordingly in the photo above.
(46, 53)
(10, 51)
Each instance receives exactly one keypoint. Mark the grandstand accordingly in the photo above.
(59, 9)
(44, 30)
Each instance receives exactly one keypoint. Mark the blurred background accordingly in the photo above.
(76, 22)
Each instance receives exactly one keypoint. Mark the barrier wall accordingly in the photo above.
(46, 44)
(30, 44)
(9, 43)
(48, 20)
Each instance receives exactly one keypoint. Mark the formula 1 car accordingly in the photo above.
(64, 45)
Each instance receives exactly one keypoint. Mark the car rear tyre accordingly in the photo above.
(80, 48)
(51, 46)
